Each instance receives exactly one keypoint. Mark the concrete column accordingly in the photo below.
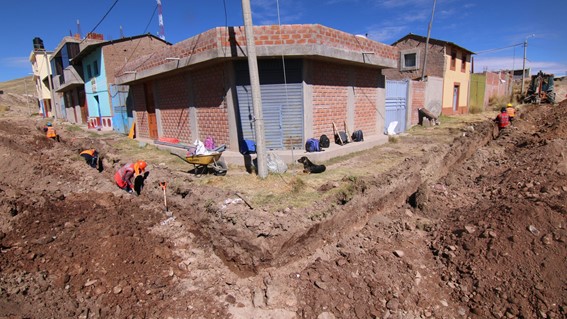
(381, 105)
(231, 100)
(193, 123)
(307, 99)
(157, 99)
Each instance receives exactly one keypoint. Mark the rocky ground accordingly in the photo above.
(470, 228)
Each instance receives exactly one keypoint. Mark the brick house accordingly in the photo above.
(445, 60)
(200, 87)
(99, 61)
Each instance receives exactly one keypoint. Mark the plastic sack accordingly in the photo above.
(275, 164)
(200, 148)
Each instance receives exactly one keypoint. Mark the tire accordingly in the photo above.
(220, 168)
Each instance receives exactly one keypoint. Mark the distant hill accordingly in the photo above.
(18, 95)
(19, 86)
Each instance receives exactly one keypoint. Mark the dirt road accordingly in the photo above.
(470, 228)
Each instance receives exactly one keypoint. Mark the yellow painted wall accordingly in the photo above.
(41, 68)
(457, 76)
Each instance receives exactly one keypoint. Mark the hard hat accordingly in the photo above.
(509, 105)
(48, 123)
(142, 165)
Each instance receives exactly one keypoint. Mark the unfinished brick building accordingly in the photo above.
(310, 77)
(445, 60)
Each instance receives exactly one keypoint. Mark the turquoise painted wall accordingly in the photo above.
(96, 85)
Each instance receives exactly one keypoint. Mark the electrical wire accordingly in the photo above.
(283, 59)
(499, 49)
(96, 26)
(139, 40)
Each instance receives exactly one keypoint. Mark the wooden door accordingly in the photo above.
(151, 109)
(83, 106)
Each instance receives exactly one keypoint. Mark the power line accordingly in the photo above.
(499, 49)
(96, 26)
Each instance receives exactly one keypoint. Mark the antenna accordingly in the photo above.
(161, 32)
(121, 32)
(79, 29)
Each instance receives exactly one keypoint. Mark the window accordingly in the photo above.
(409, 60)
(95, 67)
(453, 60)
(464, 63)
(89, 72)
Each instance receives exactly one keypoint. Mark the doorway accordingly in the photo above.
(456, 89)
(151, 109)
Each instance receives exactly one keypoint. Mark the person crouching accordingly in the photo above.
(92, 159)
(123, 177)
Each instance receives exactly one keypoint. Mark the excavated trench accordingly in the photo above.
(246, 253)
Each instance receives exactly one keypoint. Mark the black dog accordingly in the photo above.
(309, 167)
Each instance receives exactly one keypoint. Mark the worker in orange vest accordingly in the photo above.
(91, 157)
(511, 112)
(124, 175)
(502, 119)
(50, 132)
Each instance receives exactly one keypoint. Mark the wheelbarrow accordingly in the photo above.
(204, 163)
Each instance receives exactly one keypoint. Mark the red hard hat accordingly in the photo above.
(142, 165)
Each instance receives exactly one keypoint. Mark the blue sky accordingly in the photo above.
(478, 26)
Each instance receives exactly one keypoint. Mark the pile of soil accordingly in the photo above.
(470, 229)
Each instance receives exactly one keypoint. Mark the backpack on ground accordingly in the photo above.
(357, 136)
(324, 141)
(341, 138)
(312, 145)
(247, 147)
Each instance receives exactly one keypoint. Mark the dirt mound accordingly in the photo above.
(470, 228)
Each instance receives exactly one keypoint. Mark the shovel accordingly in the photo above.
(164, 186)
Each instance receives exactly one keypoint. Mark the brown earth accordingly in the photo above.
(458, 225)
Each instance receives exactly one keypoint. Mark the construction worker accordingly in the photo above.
(124, 175)
(511, 111)
(91, 157)
(502, 119)
(50, 131)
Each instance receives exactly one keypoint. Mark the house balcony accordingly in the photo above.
(68, 80)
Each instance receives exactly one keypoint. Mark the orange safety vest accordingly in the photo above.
(511, 112)
(503, 120)
(51, 132)
(89, 152)
(124, 175)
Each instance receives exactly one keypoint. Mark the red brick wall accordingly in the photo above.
(139, 104)
(330, 97)
(115, 53)
(297, 34)
(435, 61)
(330, 93)
(365, 91)
(495, 87)
(173, 103)
(417, 100)
(209, 98)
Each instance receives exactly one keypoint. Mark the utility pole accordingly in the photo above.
(427, 41)
(27, 95)
(52, 96)
(255, 87)
(524, 64)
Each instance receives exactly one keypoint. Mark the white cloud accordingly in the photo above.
(386, 34)
(266, 11)
(507, 63)
(402, 3)
(16, 62)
